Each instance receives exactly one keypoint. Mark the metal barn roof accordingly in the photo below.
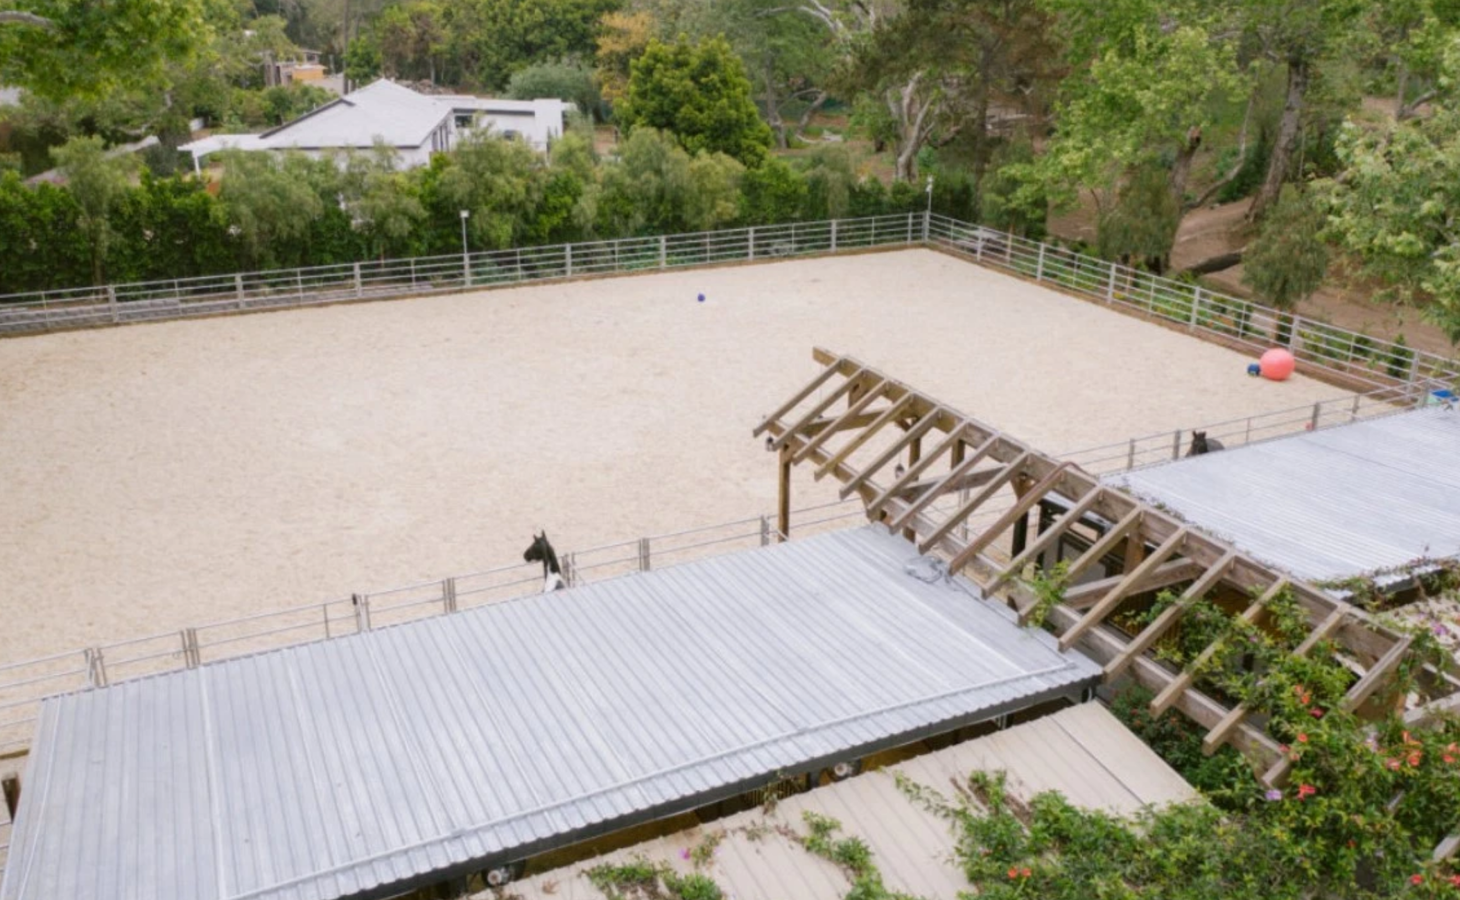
(1083, 752)
(364, 764)
(1325, 505)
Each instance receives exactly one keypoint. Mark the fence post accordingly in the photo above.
(570, 570)
(568, 259)
(519, 263)
(752, 242)
(1195, 305)
(95, 668)
(361, 602)
(359, 287)
(448, 595)
(663, 251)
(644, 561)
(1317, 411)
(1039, 267)
(833, 235)
(111, 301)
(1176, 444)
(909, 228)
(765, 530)
(299, 284)
(238, 289)
(1130, 459)
(189, 638)
(927, 223)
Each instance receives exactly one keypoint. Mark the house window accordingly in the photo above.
(463, 120)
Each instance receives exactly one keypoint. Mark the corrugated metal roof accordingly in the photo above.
(1083, 752)
(339, 767)
(1325, 505)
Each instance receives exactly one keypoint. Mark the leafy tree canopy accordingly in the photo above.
(699, 92)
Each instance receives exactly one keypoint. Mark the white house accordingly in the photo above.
(415, 124)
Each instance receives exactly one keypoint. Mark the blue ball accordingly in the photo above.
(1254, 369)
(702, 298)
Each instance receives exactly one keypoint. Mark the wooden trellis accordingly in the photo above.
(968, 463)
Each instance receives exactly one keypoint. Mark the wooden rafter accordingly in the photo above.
(911, 476)
(1159, 625)
(853, 412)
(918, 429)
(1163, 700)
(1046, 540)
(945, 485)
(865, 435)
(1110, 601)
(815, 412)
(984, 495)
(971, 456)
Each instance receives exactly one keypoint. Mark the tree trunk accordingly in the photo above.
(981, 131)
(805, 120)
(913, 117)
(1287, 139)
(773, 109)
(1214, 263)
(1181, 169)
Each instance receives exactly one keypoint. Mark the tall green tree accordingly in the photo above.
(58, 48)
(98, 180)
(271, 203)
(699, 93)
(1289, 259)
(1300, 37)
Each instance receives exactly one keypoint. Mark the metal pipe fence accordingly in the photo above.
(1370, 362)
(1154, 449)
(1367, 361)
(378, 279)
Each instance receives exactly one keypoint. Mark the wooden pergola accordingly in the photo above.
(860, 426)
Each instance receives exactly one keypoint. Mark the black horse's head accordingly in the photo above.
(1199, 444)
(541, 550)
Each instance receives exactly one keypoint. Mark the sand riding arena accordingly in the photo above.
(163, 475)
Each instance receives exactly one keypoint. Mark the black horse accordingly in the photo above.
(1200, 444)
(542, 551)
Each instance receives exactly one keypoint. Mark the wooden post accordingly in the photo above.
(663, 251)
(111, 301)
(1317, 413)
(750, 240)
(1195, 305)
(914, 454)
(1176, 444)
(1110, 285)
(833, 235)
(568, 259)
(359, 288)
(783, 500)
(1039, 268)
(10, 784)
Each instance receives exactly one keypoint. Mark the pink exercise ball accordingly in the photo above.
(1277, 364)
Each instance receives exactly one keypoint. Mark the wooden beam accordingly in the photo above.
(863, 437)
(886, 456)
(1107, 604)
(1105, 544)
(961, 514)
(818, 381)
(945, 483)
(1377, 675)
(821, 406)
(1046, 540)
(1021, 507)
(783, 494)
(1152, 632)
(855, 412)
(1447, 848)
(1103, 643)
(1082, 597)
(1163, 700)
(922, 465)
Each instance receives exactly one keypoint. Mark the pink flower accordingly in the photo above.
(1302, 738)
(1305, 791)
(1316, 713)
(1025, 873)
(1455, 880)
(1013, 872)
(1392, 764)
(1416, 879)
(1414, 758)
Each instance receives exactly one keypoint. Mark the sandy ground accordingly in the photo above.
(171, 474)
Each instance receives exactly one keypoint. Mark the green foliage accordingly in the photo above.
(1141, 225)
(851, 853)
(1289, 259)
(640, 879)
(91, 48)
(491, 39)
(1393, 207)
(1048, 587)
(565, 81)
(773, 193)
(97, 180)
(699, 93)
(45, 246)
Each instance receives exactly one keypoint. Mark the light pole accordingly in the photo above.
(930, 195)
(465, 253)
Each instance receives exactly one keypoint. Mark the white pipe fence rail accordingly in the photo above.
(1367, 361)
(1154, 449)
(378, 279)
